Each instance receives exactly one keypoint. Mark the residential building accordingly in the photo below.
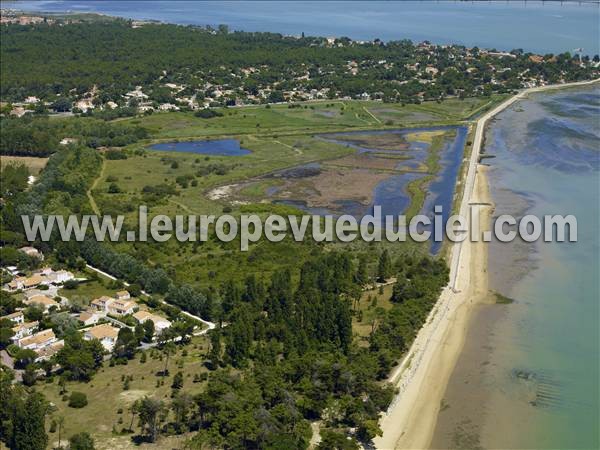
(160, 323)
(101, 303)
(38, 340)
(25, 282)
(50, 276)
(89, 317)
(49, 351)
(16, 317)
(42, 300)
(105, 333)
(23, 330)
(122, 295)
(114, 305)
(122, 307)
(60, 276)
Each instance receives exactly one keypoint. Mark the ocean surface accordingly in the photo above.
(542, 27)
(529, 374)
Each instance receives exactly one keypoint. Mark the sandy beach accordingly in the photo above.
(423, 375)
(422, 378)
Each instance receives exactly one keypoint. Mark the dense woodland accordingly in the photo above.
(38, 136)
(284, 355)
(64, 62)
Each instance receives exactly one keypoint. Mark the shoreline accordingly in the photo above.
(422, 376)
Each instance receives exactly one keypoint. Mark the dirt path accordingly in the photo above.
(93, 186)
(371, 114)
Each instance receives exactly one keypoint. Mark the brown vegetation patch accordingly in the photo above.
(35, 165)
(384, 141)
(340, 184)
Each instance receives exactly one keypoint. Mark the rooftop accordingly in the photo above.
(103, 331)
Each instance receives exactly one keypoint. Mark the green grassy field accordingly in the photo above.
(312, 117)
(369, 311)
(108, 402)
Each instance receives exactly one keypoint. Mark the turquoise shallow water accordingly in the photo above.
(544, 374)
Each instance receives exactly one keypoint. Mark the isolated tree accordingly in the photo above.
(24, 357)
(148, 331)
(177, 381)
(149, 410)
(168, 349)
(6, 332)
(29, 375)
(61, 422)
(214, 354)
(384, 270)
(81, 441)
(126, 344)
(138, 331)
(134, 410)
(182, 329)
(362, 275)
(181, 406)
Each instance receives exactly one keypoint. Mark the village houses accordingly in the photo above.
(44, 344)
(23, 330)
(88, 318)
(44, 276)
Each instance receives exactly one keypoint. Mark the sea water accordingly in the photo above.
(542, 27)
(528, 376)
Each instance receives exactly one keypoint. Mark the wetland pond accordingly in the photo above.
(217, 147)
(378, 173)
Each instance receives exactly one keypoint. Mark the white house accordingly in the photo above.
(122, 295)
(23, 330)
(105, 333)
(89, 317)
(49, 350)
(160, 323)
(42, 300)
(38, 340)
(101, 303)
(114, 306)
(25, 282)
(16, 317)
(122, 307)
(50, 276)
(60, 276)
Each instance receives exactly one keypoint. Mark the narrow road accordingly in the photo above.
(209, 325)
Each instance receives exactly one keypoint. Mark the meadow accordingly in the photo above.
(108, 411)
(313, 117)
(278, 137)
